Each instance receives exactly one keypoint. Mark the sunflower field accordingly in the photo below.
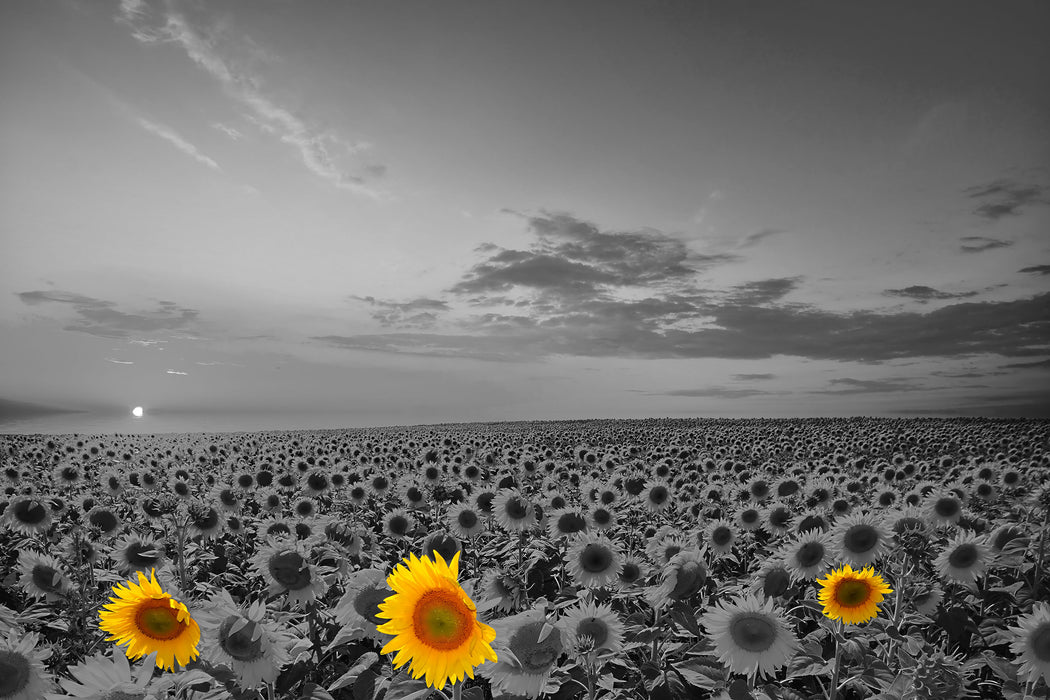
(730, 559)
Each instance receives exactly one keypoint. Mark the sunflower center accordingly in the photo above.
(721, 535)
(752, 631)
(44, 578)
(946, 507)
(467, 519)
(398, 525)
(1004, 536)
(29, 512)
(156, 619)
(245, 644)
(852, 593)
(810, 554)
(516, 508)
(14, 673)
(596, 558)
(602, 516)
(366, 603)
(631, 572)
(104, 520)
(1039, 642)
(290, 570)
(964, 556)
(658, 495)
(536, 656)
(749, 516)
(442, 621)
(860, 538)
(595, 628)
(571, 522)
(776, 583)
(779, 517)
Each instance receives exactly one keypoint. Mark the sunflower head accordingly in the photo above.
(145, 619)
(433, 622)
(852, 596)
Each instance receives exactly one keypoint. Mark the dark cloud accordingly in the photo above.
(572, 258)
(418, 313)
(432, 345)
(749, 377)
(922, 293)
(102, 318)
(1041, 364)
(1037, 269)
(966, 375)
(869, 386)
(717, 392)
(764, 291)
(1004, 198)
(979, 244)
(754, 238)
(647, 328)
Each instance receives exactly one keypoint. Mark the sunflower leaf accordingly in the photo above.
(548, 628)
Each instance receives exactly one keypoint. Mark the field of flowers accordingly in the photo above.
(589, 559)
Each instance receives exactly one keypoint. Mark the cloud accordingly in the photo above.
(119, 362)
(572, 258)
(420, 313)
(576, 292)
(322, 151)
(1004, 198)
(1037, 269)
(175, 371)
(750, 377)
(228, 130)
(101, 318)
(754, 238)
(1041, 364)
(869, 386)
(979, 244)
(716, 392)
(169, 135)
(922, 293)
(763, 291)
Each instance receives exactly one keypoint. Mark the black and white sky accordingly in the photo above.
(506, 210)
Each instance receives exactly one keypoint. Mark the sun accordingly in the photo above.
(137, 411)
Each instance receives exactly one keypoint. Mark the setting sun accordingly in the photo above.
(137, 411)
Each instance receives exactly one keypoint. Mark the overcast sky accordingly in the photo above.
(513, 210)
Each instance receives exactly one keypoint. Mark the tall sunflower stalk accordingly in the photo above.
(837, 631)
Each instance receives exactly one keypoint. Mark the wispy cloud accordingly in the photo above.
(102, 318)
(175, 371)
(119, 362)
(979, 244)
(1004, 198)
(169, 135)
(923, 294)
(321, 151)
(756, 237)
(228, 130)
(418, 313)
(1037, 269)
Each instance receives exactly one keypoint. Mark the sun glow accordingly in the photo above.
(137, 411)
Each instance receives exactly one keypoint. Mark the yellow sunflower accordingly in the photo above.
(434, 622)
(852, 596)
(145, 619)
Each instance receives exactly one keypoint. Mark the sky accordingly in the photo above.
(419, 212)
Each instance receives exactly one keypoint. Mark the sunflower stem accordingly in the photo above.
(311, 610)
(181, 529)
(891, 648)
(457, 690)
(833, 689)
(656, 633)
